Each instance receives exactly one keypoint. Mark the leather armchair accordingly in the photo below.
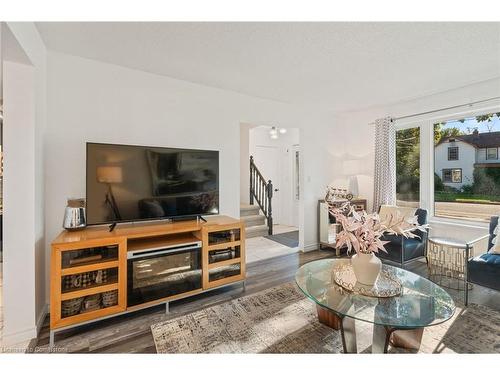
(403, 250)
(484, 269)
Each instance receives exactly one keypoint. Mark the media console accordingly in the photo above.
(97, 274)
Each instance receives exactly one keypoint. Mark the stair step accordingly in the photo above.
(256, 231)
(254, 220)
(249, 210)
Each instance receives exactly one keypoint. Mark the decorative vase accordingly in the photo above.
(74, 215)
(366, 267)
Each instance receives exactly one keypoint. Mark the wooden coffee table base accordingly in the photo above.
(382, 335)
(328, 318)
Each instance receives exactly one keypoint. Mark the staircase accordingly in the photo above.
(255, 223)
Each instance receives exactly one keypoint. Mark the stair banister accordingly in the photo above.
(262, 193)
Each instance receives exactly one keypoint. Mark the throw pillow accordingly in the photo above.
(387, 211)
(495, 249)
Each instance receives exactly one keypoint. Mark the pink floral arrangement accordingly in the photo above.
(363, 232)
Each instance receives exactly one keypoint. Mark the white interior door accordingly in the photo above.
(266, 158)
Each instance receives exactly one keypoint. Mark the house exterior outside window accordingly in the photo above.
(465, 160)
(453, 153)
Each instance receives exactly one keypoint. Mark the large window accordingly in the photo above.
(408, 167)
(467, 187)
(451, 166)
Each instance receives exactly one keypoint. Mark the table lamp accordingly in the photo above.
(352, 168)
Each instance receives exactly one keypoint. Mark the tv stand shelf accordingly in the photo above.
(89, 267)
(157, 242)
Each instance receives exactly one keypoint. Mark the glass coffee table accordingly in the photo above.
(397, 320)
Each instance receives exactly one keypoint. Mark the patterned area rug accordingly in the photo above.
(283, 320)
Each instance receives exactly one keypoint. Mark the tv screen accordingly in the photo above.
(131, 183)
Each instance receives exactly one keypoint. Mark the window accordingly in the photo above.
(453, 153)
(469, 187)
(408, 167)
(492, 153)
(452, 175)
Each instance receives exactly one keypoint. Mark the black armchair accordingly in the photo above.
(484, 269)
(403, 250)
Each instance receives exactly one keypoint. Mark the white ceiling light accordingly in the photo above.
(275, 132)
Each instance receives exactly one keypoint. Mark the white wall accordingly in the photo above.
(245, 163)
(24, 230)
(90, 101)
(19, 202)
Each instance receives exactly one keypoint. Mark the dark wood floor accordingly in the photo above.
(131, 333)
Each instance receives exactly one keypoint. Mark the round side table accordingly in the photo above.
(447, 262)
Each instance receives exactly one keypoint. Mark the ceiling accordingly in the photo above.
(336, 66)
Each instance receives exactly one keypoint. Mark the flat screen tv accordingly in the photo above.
(132, 183)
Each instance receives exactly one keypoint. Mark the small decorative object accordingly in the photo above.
(363, 232)
(386, 285)
(336, 196)
(74, 214)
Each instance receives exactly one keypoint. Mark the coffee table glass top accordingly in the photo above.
(422, 303)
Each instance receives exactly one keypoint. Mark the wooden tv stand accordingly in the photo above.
(89, 266)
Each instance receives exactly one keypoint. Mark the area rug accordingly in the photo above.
(283, 320)
(290, 239)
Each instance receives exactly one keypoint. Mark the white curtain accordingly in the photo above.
(385, 163)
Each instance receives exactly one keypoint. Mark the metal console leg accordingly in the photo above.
(51, 338)
(167, 308)
(244, 286)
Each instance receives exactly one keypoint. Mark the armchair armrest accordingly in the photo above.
(471, 243)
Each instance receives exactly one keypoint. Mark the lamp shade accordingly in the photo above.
(351, 167)
(109, 175)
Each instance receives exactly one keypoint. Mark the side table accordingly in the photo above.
(447, 261)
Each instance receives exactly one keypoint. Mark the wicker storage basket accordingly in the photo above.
(71, 307)
(110, 298)
(92, 302)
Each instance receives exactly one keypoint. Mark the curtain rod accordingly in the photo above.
(443, 109)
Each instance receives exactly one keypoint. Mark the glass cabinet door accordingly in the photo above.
(223, 236)
(89, 256)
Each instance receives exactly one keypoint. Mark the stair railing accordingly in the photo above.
(262, 193)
